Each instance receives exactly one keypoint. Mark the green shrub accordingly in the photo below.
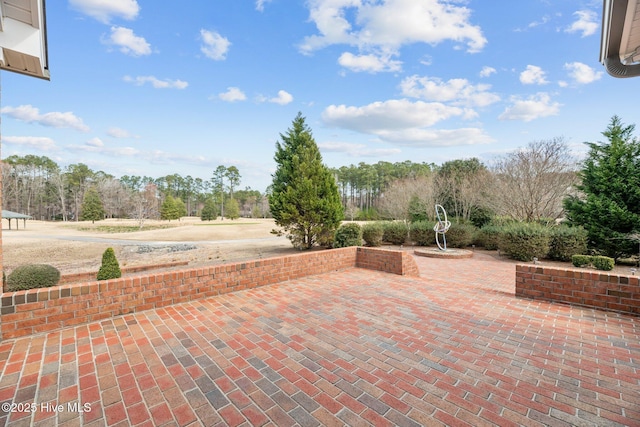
(421, 233)
(368, 214)
(395, 232)
(581, 260)
(603, 262)
(110, 269)
(460, 235)
(349, 234)
(480, 216)
(372, 233)
(566, 242)
(524, 241)
(32, 276)
(489, 236)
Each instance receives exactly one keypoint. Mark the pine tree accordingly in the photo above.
(232, 209)
(209, 210)
(169, 208)
(305, 200)
(92, 208)
(609, 208)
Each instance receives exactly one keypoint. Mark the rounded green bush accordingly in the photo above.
(395, 232)
(460, 235)
(421, 233)
(349, 234)
(581, 260)
(603, 263)
(489, 237)
(110, 269)
(372, 234)
(566, 242)
(525, 241)
(32, 276)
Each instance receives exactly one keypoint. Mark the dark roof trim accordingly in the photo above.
(613, 18)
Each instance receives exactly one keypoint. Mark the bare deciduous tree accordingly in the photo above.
(531, 183)
(395, 201)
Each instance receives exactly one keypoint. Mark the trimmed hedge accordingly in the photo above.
(349, 234)
(525, 241)
(32, 276)
(598, 262)
(460, 235)
(372, 234)
(566, 242)
(489, 237)
(395, 232)
(110, 269)
(421, 233)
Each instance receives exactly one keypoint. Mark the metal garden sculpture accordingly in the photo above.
(441, 227)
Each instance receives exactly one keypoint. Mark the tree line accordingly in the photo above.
(38, 186)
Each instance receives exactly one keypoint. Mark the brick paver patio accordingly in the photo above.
(354, 347)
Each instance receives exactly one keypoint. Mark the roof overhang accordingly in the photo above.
(620, 43)
(23, 37)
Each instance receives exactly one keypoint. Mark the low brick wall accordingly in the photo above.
(41, 310)
(90, 276)
(588, 288)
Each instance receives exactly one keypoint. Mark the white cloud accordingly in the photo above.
(383, 27)
(356, 150)
(260, 4)
(120, 133)
(214, 45)
(370, 63)
(456, 91)
(487, 71)
(37, 142)
(95, 142)
(582, 73)
(105, 10)
(534, 107)
(388, 115)
(438, 137)
(587, 23)
(404, 122)
(128, 42)
(232, 94)
(31, 114)
(283, 98)
(156, 83)
(533, 75)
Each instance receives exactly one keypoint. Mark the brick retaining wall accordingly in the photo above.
(41, 310)
(588, 288)
(91, 276)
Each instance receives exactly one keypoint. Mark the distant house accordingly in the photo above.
(620, 42)
(15, 215)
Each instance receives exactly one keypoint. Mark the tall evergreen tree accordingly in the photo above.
(304, 201)
(609, 207)
(209, 211)
(92, 207)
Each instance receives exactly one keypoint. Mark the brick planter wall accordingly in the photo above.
(91, 276)
(41, 310)
(588, 288)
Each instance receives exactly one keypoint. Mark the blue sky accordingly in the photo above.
(154, 88)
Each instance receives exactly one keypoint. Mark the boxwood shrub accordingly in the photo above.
(489, 237)
(349, 234)
(395, 232)
(460, 235)
(566, 242)
(421, 233)
(603, 262)
(524, 241)
(372, 234)
(32, 276)
(581, 260)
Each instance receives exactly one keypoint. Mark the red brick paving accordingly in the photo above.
(355, 347)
